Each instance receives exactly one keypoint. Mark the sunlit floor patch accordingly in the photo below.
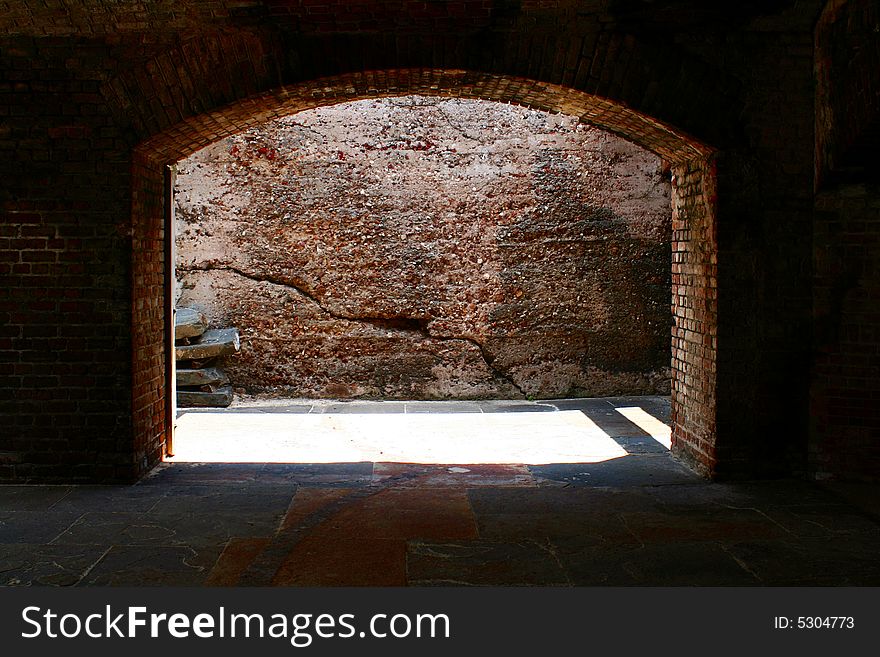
(466, 438)
(649, 424)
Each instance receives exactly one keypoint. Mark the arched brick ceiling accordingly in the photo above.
(166, 62)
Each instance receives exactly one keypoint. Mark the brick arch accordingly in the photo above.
(694, 235)
(219, 68)
(189, 135)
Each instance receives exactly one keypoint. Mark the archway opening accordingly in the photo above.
(692, 240)
(421, 248)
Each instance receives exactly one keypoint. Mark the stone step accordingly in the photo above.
(208, 376)
(219, 398)
(212, 343)
(189, 323)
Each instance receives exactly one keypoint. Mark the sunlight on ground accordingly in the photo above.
(649, 424)
(466, 438)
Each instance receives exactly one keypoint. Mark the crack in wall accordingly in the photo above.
(489, 359)
(401, 324)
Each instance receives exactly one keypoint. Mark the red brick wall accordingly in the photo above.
(64, 251)
(695, 313)
(149, 303)
(845, 439)
(847, 58)
(845, 382)
(764, 227)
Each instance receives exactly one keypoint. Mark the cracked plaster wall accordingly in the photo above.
(431, 248)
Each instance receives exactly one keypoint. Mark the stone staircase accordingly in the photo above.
(200, 383)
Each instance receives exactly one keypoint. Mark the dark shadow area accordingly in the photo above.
(639, 520)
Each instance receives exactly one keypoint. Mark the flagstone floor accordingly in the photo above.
(633, 517)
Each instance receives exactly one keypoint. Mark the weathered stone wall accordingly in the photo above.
(428, 248)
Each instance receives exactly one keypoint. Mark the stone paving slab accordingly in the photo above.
(772, 493)
(827, 561)
(348, 562)
(587, 405)
(861, 494)
(110, 498)
(153, 565)
(203, 473)
(318, 522)
(588, 563)
(701, 525)
(237, 555)
(31, 498)
(47, 565)
(359, 540)
(246, 474)
(116, 528)
(206, 376)
(697, 563)
(449, 518)
(657, 405)
(211, 344)
(294, 409)
(601, 528)
(360, 408)
(443, 407)
(617, 426)
(558, 500)
(189, 323)
(649, 470)
(171, 529)
(311, 501)
(504, 406)
(460, 476)
(522, 562)
(35, 526)
(328, 475)
(255, 500)
(822, 520)
(702, 494)
(643, 444)
(220, 397)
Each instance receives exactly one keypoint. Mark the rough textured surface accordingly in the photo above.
(189, 323)
(221, 397)
(200, 377)
(427, 248)
(212, 343)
